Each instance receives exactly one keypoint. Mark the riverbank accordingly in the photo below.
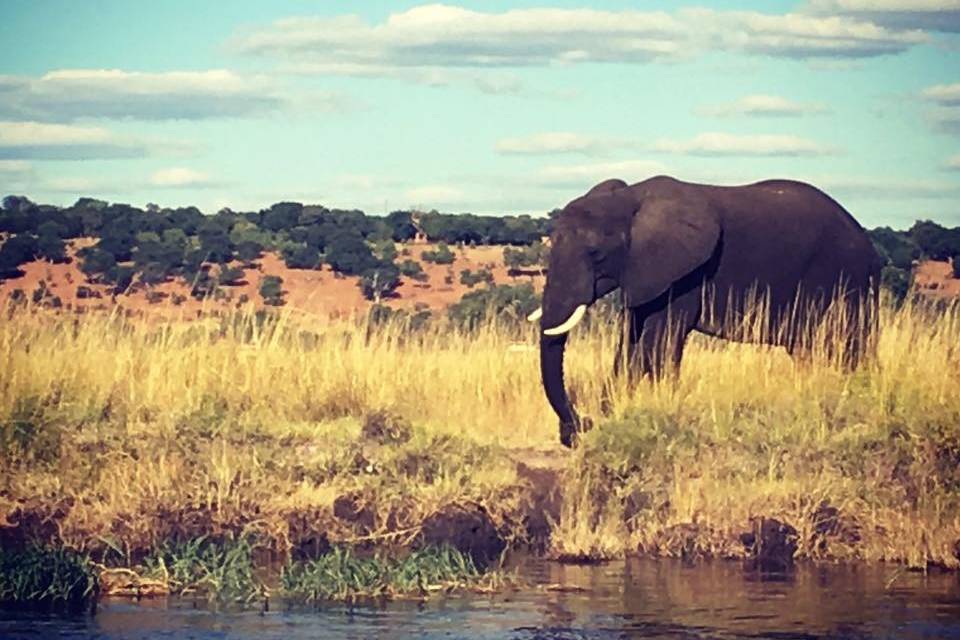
(122, 436)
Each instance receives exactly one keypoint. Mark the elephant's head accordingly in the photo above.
(614, 236)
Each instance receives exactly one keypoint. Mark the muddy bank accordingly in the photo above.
(477, 532)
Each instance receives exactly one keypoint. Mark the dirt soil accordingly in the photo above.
(318, 292)
(935, 278)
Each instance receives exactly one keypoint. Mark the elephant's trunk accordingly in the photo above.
(551, 372)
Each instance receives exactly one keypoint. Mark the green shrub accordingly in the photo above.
(442, 255)
(503, 302)
(271, 290)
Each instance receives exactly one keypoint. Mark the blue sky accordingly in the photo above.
(490, 107)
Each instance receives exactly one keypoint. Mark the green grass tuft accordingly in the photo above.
(47, 577)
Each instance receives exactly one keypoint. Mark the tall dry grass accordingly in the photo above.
(125, 432)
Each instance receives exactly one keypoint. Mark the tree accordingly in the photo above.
(95, 262)
(271, 290)
(121, 276)
(380, 281)
(282, 215)
(215, 242)
(349, 254)
(19, 249)
(301, 256)
(385, 250)
(936, 242)
(52, 248)
(955, 261)
(249, 250)
(400, 224)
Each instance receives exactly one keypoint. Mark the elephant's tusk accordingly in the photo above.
(534, 316)
(571, 322)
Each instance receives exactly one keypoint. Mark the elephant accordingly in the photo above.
(689, 256)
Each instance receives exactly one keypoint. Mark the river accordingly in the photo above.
(639, 598)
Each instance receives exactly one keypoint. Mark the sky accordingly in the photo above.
(486, 107)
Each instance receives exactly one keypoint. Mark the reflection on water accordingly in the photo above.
(633, 599)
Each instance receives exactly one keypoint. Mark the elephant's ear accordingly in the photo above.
(669, 238)
(607, 186)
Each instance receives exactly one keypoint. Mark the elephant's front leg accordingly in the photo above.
(626, 357)
(664, 335)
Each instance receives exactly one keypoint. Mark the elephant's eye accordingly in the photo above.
(596, 254)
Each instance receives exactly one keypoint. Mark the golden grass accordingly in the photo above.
(138, 431)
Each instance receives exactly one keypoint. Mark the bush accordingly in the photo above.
(471, 279)
(271, 290)
(955, 261)
(412, 269)
(84, 293)
(230, 276)
(897, 282)
(504, 302)
(301, 256)
(442, 255)
(202, 284)
(895, 247)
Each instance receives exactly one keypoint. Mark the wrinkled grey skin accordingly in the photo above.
(687, 256)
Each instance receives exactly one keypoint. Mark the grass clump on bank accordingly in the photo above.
(343, 575)
(39, 576)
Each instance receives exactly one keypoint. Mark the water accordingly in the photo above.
(633, 599)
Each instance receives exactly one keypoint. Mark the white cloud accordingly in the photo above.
(14, 167)
(178, 177)
(726, 144)
(934, 15)
(439, 35)
(554, 142)
(953, 162)
(433, 195)
(69, 94)
(945, 115)
(794, 35)
(764, 105)
(947, 95)
(583, 175)
(436, 36)
(42, 141)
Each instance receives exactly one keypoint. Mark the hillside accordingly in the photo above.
(321, 292)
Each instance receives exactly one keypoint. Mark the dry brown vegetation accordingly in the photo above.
(119, 435)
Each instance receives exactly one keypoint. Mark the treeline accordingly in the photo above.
(153, 245)
(925, 240)
(141, 247)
